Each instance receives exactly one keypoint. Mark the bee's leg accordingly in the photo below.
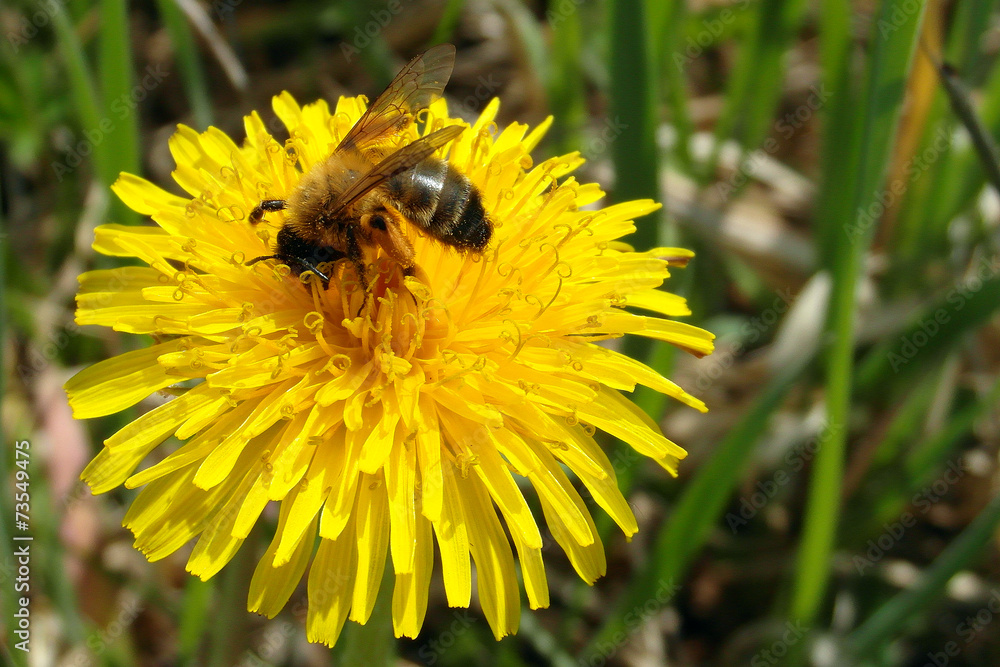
(386, 227)
(418, 273)
(301, 261)
(309, 266)
(357, 257)
(324, 255)
(421, 275)
(266, 206)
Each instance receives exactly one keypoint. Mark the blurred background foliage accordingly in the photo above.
(838, 504)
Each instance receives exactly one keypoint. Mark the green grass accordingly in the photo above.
(902, 373)
(117, 78)
(189, 61)
(876, 121)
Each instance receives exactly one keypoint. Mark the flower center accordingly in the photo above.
(392, 322)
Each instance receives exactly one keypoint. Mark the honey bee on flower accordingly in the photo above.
(368, 190)
(391, 401)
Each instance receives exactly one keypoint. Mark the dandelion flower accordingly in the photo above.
(382, 424)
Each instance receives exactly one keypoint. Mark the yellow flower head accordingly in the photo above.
(377, 421)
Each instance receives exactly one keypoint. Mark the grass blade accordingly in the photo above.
(841, 143)
(972, 21)
(888, 64)
(893, 615)
(897, 483)
(927, 456)
(632, 103)
(670, 17)
(186, 53)
(962, 172)
(756, 82)
(702, 503)
(566, 81)
(81, 87)
(117, 80)
(449, 19)
(937, 330)
(119, 98)
(195, 608)
(372, 643)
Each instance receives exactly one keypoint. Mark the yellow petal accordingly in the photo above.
(495, 574)
(340, 503)
(692, 339)
(551, 482)
(429, 456)
(373, 539)
(452, 536)
(494, 473)
(588, 561)
(400, 479)
(128, 447)
(331, 587)
(660, 302)
(119, 382)
(271, 585)
(144, 197)
(533, 571)
(217, 545)
(307, 499)
(616, 415)
(409, 597)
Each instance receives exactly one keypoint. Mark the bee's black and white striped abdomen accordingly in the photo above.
(443, 202)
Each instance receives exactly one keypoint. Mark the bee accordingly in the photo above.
(365, 194)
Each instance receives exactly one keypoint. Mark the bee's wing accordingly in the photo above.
(414, 88)
(405, 158)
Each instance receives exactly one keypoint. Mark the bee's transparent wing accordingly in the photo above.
(405, 158)
(414, 88)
